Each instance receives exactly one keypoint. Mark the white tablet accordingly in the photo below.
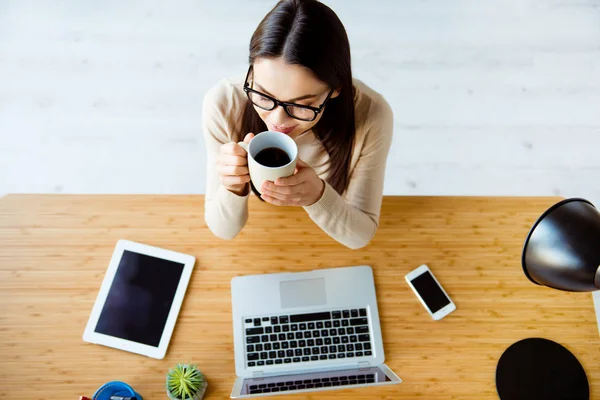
(139, 299)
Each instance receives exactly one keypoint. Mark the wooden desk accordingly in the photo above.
(54, 251)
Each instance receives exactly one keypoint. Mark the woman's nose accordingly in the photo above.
(279, 116)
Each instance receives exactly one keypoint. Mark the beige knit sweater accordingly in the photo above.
(352, 218)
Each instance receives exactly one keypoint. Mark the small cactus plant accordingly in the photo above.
(185, 382)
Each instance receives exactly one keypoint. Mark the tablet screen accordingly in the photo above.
(139, 299)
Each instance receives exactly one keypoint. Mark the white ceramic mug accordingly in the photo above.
(260, 173)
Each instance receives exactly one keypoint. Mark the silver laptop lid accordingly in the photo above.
(338, 302)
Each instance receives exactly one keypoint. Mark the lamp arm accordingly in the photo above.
(596, 297)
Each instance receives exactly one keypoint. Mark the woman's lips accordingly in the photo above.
(286, 130)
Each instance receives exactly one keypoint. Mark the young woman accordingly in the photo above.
(299, 82)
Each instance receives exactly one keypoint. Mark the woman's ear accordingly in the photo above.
(336, 93)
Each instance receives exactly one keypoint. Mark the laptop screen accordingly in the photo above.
(314, 381)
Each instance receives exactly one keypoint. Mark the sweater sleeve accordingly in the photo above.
(353, 219)
(225, 213)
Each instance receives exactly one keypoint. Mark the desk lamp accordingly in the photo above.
(562, 251)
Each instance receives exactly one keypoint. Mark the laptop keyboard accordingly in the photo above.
(312, 383)
(302, 338)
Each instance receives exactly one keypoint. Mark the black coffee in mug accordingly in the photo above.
(272, 157)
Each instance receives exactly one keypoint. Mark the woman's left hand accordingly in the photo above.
(304, 188)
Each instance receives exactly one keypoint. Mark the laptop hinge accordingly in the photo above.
(364, 364)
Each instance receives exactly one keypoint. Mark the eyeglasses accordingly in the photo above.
(296, 111)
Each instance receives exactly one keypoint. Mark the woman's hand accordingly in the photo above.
(232, 165)
(304, 188)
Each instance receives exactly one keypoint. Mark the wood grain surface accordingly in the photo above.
(54, 250)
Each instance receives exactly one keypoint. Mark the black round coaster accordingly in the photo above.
(540, 369)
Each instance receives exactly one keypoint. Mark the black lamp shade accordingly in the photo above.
(562, 249)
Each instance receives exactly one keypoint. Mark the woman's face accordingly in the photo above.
(289, 83)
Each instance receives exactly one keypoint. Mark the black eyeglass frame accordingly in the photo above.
(284, 104)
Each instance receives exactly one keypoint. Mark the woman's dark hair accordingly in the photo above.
(308, 33)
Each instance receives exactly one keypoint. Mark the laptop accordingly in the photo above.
(307, 331)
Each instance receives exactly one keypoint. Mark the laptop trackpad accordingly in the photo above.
(302, 293)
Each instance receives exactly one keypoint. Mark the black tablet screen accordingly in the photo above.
(139, 299)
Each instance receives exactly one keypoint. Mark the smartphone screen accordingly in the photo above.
(430, 292)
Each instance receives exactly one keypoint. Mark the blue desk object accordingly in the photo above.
(115, 388)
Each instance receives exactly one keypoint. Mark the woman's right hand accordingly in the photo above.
(232, 165)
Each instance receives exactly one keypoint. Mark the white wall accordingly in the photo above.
(490, 97)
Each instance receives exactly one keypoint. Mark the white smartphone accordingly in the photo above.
(429, 291)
